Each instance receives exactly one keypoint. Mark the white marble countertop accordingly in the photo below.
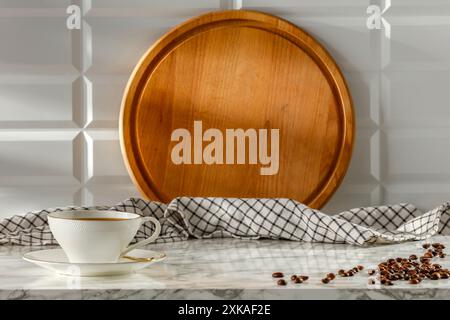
(226, 268)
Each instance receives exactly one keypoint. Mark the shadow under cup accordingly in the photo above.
(89, 236)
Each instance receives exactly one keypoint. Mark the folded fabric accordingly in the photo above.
(203, 218)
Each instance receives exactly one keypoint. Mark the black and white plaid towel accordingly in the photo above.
(253, 219)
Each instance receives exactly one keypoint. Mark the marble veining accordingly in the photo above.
(226, 269)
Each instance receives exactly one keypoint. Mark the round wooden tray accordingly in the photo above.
(230, 70)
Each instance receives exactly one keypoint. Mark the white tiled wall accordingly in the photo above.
(60, 94)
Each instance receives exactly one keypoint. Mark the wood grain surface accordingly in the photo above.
(238, 69)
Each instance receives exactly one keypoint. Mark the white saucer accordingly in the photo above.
(56, 260)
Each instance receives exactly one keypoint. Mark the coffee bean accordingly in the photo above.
(277, 275)
(426, 245)
(360, 267)
(298, 280)
(428, 255)
(424, 259)
(414, 281)
(304, 278)
(331, 276)
(281, 282)
(413, 257)
(325, 280)
(435, 276)
(437, 266)
(444, 275)
(371, 281)
(294, 277)
(442, 255)
(371, 272)
(438, 245)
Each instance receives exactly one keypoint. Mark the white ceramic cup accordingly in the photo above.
(85, 238)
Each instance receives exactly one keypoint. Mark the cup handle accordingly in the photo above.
(148, 240)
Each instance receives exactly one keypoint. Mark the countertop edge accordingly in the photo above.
(226, 294)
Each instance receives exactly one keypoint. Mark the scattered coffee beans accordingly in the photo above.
(351, 272)
(413, 269)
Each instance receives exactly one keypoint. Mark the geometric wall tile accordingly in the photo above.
(37, 157)
(414, 8)
(153, 7)
(347, 197)
(424, 196)
(19, 200)
(105, 162)
(109, 194)
(363, 168)
(416, 156)
(419, 43)
(38, 4)
(365, 92)
(416, 98)
(310, 8)
(39, 101)
(107, 92)
(35, 41)
(118, 43)
(347, 39)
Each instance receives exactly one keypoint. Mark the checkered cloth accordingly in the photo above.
(252, 219)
